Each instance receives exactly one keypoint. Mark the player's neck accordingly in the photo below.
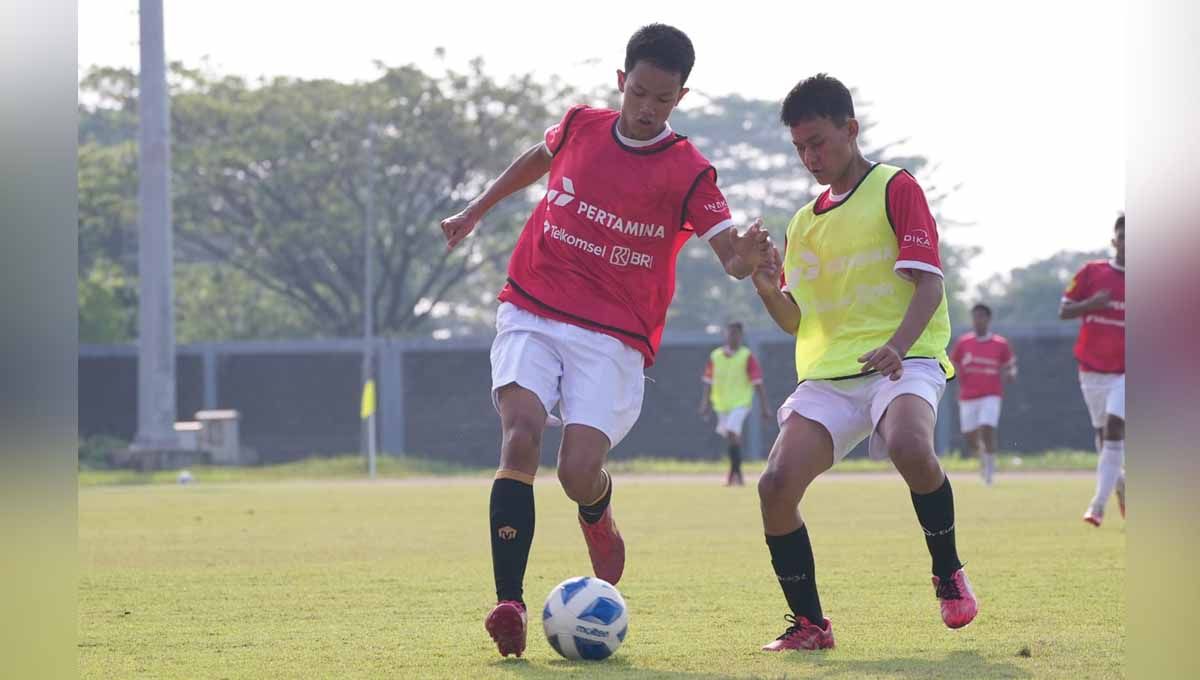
(855, 171)
(1120, 261)
(630, 139)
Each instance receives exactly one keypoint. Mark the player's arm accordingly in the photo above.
(1072, 309)
(707, 211)
(528, 168)
(918, 262)
(754, 372)
(780, 305)
(1010, 366)
(706, 390)
(925, 301)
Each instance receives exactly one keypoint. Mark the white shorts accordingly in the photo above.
(851, 409)
(594, 379)
(730, 422)
(976, 413)
(1104, 394)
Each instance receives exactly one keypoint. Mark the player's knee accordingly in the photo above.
(908, 448)
(1114, 428)
(522, 438)
(774, 488)
(578, 479)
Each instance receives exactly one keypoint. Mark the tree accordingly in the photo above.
(1031, 294)
(270, 180)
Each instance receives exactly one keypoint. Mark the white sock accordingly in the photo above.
(989, 467)
(1108, 471)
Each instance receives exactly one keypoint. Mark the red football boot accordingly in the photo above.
(959, 605)
(506, 625)
(605, 547)
(802, 635)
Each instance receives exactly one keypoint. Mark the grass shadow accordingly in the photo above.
(961, 664)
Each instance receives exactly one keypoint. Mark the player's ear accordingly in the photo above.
(620, 81)
(682, 91)
(852, 129)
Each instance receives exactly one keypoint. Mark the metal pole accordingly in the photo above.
(368, 306)
(156, 329)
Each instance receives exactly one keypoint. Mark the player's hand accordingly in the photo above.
(886, 360)
(753, 246)
(456, 228)
(1100, 299)
(766, 275)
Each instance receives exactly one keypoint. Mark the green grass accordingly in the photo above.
(351, 579)
(404, 467)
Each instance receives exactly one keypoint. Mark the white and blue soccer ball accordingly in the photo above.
(585, 618)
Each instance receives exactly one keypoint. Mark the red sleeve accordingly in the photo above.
(753, 370)
(708, 372)
(706, 210)
(1079, 287)
(916, 231)
(556, 135)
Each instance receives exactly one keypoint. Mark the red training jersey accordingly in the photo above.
(980, 364)
(599, 252)
(1101, 344)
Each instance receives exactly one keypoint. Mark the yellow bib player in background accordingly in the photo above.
(731, 377)
(862, 293)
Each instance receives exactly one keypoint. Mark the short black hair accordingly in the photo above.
(819, 96)
(664, 46)
(1120, 224)
(735, 324)
(980, 307)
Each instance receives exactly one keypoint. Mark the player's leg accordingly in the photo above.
(1110, 468)
(735, 459)
(1096, 388)
(803, 450)
(525, 375)
(906, 414)
(602, 389)
(987, 452)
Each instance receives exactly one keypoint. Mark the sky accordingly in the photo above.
(1020, 105)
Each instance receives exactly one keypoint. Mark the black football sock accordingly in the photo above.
(735, 460)
(592, 513)
(511, 511)
(792, 558)
(935, 512)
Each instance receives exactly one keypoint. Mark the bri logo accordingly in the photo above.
(564, 197)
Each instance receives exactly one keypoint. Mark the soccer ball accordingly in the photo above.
(585, 618)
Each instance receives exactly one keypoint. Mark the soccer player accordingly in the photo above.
(588, 287)
(1097, 293)
(983, 361)
(862, 293)
(731, 377)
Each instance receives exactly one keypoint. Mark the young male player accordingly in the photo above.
(863, 295)
(588, 287)
(731, 377)
(1097, 293)
(983, 361)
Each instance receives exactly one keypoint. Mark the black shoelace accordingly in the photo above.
(948, 589)
(790, 618)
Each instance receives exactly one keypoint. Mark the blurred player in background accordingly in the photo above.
(731, 377)
(1097, 294)
(983, 362)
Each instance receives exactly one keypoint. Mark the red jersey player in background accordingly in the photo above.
(731, 378)
(588, 287)
(983, 361)
(1097, 293)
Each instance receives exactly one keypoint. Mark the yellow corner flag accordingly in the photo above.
(368, 400)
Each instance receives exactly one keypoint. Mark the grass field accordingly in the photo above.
(344, 579)
(403, 467)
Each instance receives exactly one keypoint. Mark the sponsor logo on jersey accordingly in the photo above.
(919, 238)
(605, 218)
(624, 257)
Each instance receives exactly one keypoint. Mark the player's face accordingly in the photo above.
(649, 94)
(981, 321)
(733, 336)
(825, 149)
(1118, 243)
